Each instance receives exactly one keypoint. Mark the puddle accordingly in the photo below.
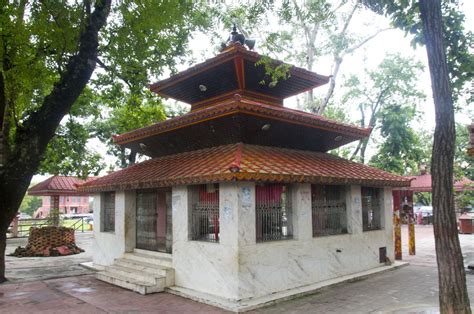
(84, 290)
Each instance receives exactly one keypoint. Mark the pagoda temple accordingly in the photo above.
(240, 202)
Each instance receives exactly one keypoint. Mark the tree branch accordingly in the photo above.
(107, 68)
(32, 140)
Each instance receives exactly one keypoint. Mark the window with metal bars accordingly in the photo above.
(205, 212)
(328, 204)
(274, 215)
(108, 212)
(371, 208)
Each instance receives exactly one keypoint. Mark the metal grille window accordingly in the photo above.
(108, 212)
(329, 215)
(205, 212)
(371, 209)
(274, 217)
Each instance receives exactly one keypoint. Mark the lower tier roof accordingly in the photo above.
(243, 162)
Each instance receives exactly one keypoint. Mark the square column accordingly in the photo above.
(302, 212)
(354, 209)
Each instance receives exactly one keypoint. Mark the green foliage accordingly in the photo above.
(423, 198)
(68, 154)
(274, 72)
(463, 163)
(399, 152)
(30, 204)
(464, 199)
(405, 15)
(141, 41)
(390, 87)
(124, 119)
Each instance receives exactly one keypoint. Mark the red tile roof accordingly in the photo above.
(422, 183)
(239, 104)
(245, 163)
(58, 185)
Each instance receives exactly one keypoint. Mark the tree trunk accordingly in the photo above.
(3, 246)
(453, 297)
(23, 159)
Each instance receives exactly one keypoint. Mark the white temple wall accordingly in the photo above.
(204, 266)
(281, 265)
(110, 245)
(237, 267)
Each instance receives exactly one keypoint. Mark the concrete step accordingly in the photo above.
(132, 273)
(149, 259)
(131, 283)
(148, 268)
(155, 254)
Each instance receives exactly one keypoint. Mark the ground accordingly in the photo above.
(411, 289)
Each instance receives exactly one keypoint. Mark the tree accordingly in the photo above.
(439, 26)
(30, 204)
(453, 294)
(307, 30)
(462, 161)
(48, 52)
(124, 119)
(391, 84)
(400, 151)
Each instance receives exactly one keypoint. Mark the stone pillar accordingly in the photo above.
(387, 222)
(130, 220)
(302, 214)
(246, 214)
(354, 209)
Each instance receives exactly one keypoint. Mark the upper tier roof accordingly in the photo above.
(241, 162)
(58, 185)
(241, 120)
(234, 71)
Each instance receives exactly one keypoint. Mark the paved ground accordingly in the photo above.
(40, 268)
(412, 289)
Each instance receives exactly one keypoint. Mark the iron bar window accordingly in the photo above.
(328, 204)
(205, 212)
(108, 212)
(274, 216)
(371, 209)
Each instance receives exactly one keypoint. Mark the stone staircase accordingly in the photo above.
(142, 271)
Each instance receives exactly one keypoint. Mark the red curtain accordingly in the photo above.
(270, 193)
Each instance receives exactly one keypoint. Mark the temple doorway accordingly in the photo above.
(154, 223)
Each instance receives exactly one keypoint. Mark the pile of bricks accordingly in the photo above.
(49, 241)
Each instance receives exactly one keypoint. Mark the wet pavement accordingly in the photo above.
(22, 269)
(411, 289)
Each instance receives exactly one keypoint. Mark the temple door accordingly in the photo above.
(154, 231)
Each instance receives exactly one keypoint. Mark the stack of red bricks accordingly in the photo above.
(49, 241)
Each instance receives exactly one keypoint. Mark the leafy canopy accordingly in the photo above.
(140, 41)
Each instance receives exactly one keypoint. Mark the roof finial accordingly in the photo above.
(236, 37)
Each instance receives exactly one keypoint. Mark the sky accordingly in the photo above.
(370, 55)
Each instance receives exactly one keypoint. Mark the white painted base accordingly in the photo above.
(253, 303)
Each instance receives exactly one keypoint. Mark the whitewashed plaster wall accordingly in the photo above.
(111, 245)
(204, 266)
(269, 267)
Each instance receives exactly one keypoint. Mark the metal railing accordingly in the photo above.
(205, 222)
(21, 229)
(329, 218)
(371, 213)
(273, 213)
(205, 213)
